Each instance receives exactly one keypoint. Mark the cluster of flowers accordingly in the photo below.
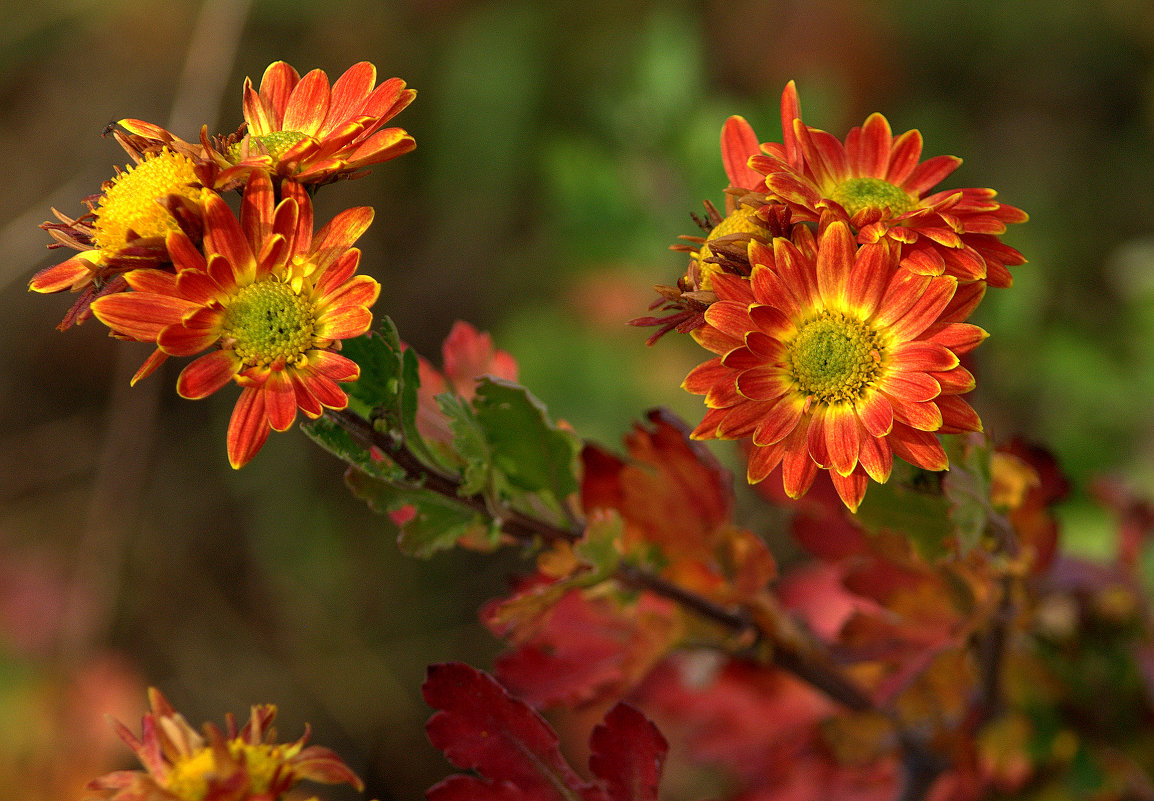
(835, 292)
(164, 259)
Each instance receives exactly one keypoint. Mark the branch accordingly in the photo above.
(807, 666)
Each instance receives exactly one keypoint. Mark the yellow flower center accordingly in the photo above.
(190, 775)
(835, 358)
(277, 143)
(864, 193)
(743, 220)
(130, 204)
(268, 321)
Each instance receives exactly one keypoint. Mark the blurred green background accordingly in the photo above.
(561, 149)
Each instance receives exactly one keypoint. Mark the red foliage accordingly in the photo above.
(517, 755)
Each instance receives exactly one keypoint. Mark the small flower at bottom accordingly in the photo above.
(833, 357)
(272, 299)
(182, 764)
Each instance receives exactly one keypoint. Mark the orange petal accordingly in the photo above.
(851, 488)
(904, 155)
(207, 374)
(729, 316)
(957, 415)
(927, 310)
(71, 274)
(333, 366)
(868, 147)
(738, 143)
(247, 428)
(843, 435)
(919, 448)
(325, 391)
(798, 469)
(138, 315)
(345, 323)
(876, 414)
(157, 358)
(348, 95)
(922, 357)
(308, 104)
(382, 146)
(704, 376)
(280, 402)
(762, 461)
(876, 458)
(763, 383)
(223, 236)
(740, 421)
(778, 421)
(276, 87)
(925, 416)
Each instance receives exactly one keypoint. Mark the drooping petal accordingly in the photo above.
(247, 428)
(850, 488)
(207, 374)
(919, 448)
(877, 458)
(778, 421)
(279, 401)
(139, 315)
(70, 274)
(843, 434)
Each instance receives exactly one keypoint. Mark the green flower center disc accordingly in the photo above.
(864, 193)
(835, 358)
(277, 143)
(267, 321)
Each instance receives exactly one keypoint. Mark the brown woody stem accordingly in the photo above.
(810, 668)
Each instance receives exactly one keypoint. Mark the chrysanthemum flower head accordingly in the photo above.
(269, 298)
(181, 764)
(125, 228)
(305, 130)
(877, 183)
(832, 356)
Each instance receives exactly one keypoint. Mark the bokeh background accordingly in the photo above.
(561, 149)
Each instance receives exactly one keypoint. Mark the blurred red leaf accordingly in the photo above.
(628, 754)
(482, 728)
(578, 649)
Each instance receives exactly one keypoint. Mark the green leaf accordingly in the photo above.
(967, 488)
(386, 391)
(337, 441)
(910, 503)
(532, 453)
(469, 443)
(437, 522)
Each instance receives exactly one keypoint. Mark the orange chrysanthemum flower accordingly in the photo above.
(271, 299)
(125, 228)
(875, 182)
(834, 357)
(246, 765)
(304, 130)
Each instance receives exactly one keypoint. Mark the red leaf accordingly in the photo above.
(480, 727)
(628, 753)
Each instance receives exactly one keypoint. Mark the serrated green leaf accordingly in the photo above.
(469, 443)
(967, 488)
(910, 503)
(532, 453)
(437, 522)
(337, 441)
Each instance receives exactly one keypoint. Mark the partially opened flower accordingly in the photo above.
(181, 764)
(877, 182)
(833, 357)
(125, 227)
(741, 222)
(269, 298)
(304, 130)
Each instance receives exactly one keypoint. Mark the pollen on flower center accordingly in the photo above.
(188, 778)
(262, 761)
(857, 194)
(743, 220)
(835, 358)
(277, 143)
(130, 203)
(268, 321)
